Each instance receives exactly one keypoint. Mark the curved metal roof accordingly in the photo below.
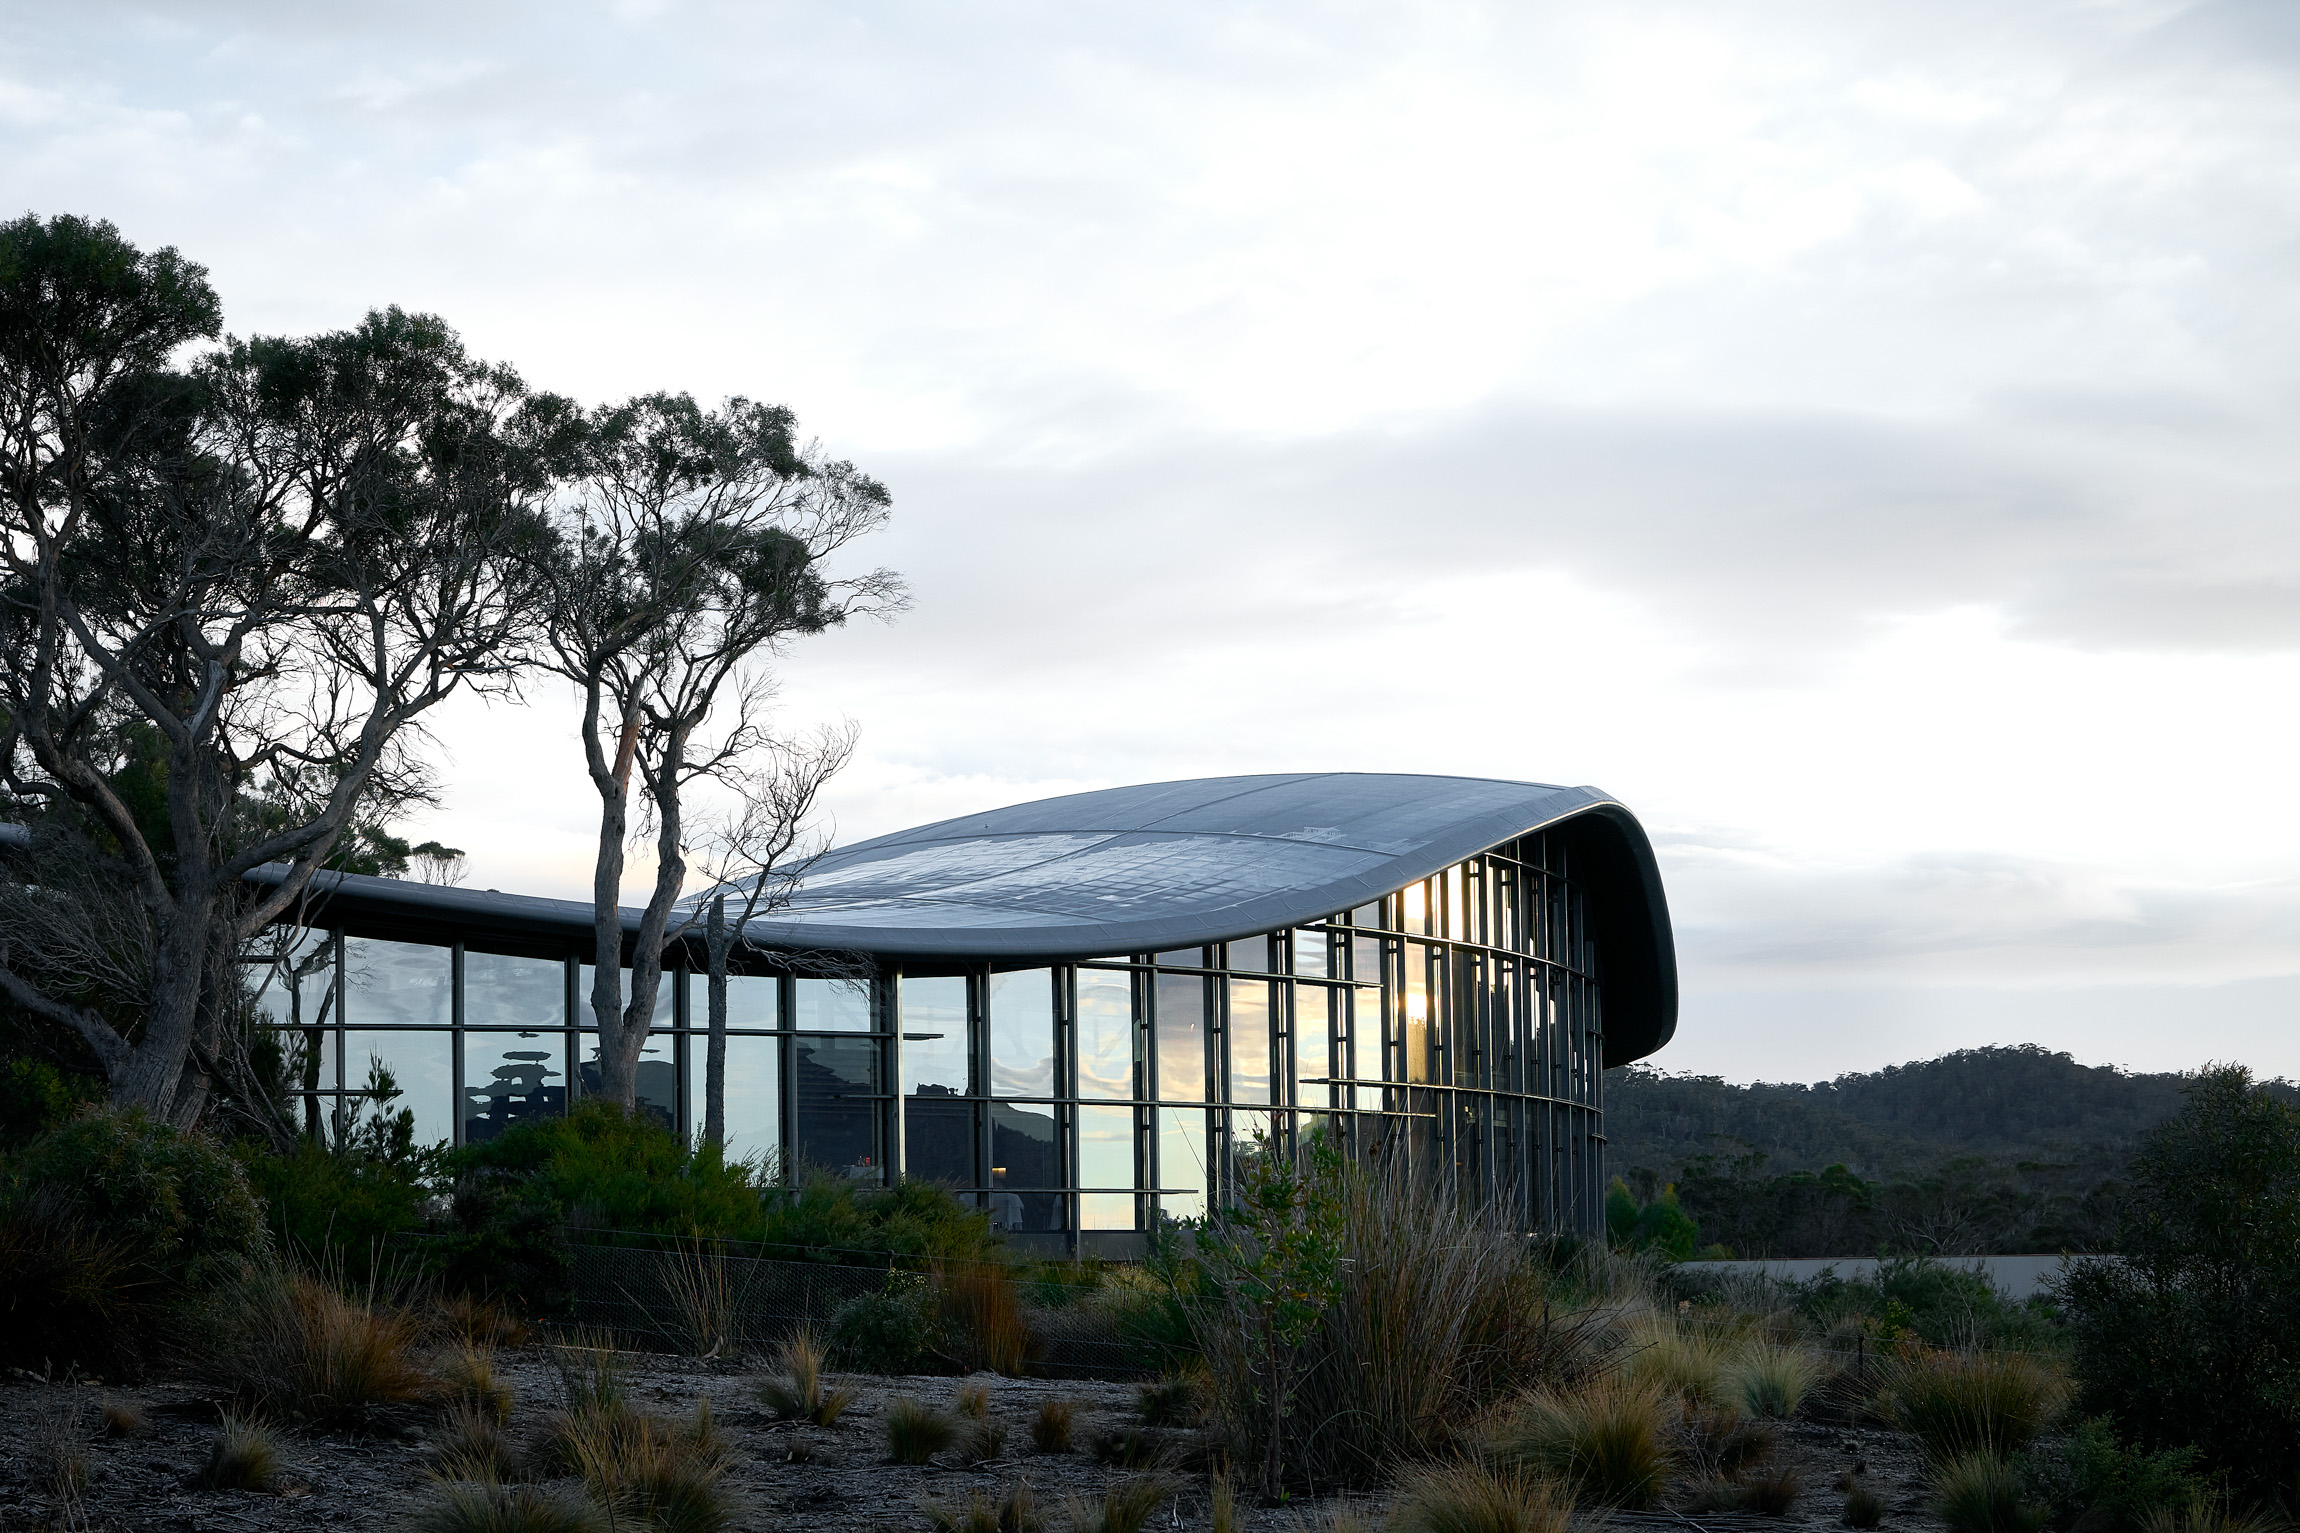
(1174, 864)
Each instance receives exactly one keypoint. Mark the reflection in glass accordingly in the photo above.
(1022, 1033)
(1313, 1057)
(1366, 1036)
(836, 1081)
(754, 1102)
(1249, 1041)
(1104, 1036)
(424, 1067)
(654, 1084)
(664, 1011)
(1417, 1035)
(1416, 916)
(1023, 1155)
(832, 1006)
(1251, 955)
(937, 1119)
(1181, 1024)
(1106, 1159)
(1184, 958)
(1311, 958)
(753, 1000)
(1182, 1161)
(510, 1078)
(397, 982)
(513, 992)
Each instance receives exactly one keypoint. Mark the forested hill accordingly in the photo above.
(2008, 1104)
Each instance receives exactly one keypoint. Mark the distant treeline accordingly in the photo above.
(1984, 1150)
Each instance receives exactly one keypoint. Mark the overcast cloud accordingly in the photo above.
(1859, 438)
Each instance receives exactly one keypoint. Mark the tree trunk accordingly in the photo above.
(715, 947)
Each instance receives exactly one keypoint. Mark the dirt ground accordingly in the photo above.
(785, 1477)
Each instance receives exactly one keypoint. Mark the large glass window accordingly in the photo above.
(753, 1000)
(423, 1065)
(1417, 1035)
(1251, 955)
(1181, 1032)
(1250, 1041)
(502, 991)
(1022, 1033)
(1182, 1162)
(1312, 956)
(754, 1101)
(662, 1016)
(832, 1006)
(1025, 1168)
(1106, 1159)
(1105, 1034)
(654, 1084)
(836, 1084)
(395, 984)
(1313, 1058)
(510, 1078)
(938, 1120)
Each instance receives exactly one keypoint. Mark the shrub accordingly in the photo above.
(1925, 1300)
(1608, 1441)
(2187, 1339)
(2090, 1477)
(179, 1202)
(1965, 1402)
(1051, 1427)
(1864, 1508)
(799, 1394)
(1468, 1497)
(1980, 1492)
(887, 1331)
(2211, 1514)
(36, 1096)
(915, 1431)
(489, 1507)
(340, 1206)
(71, 1297)
(982, 1324)
(1772, 1381)
(245, 1456)
(1177, 1400)
(480, 1321)
(294, 1345)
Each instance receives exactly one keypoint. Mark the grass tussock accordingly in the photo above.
(1012, 1510)
(797, 1390)
(469, 1378)
(1718, 1442)
(1684, 1358)
(1864, 1508)
(60, 1452)
(2209, 1514)
(592, 1376)
(1127, 1505)
(1052, 1428)
(668, 1477)
(1772, 1380)
(244, 1456)
(1982, 1492)
(125, 1418)
(1960, 1403)
(1176, 1400)
(701, 1288)
(916, 1431)
(1608, 1442)
(491, 1507)
(980, 1439)
(481, 1322)
(982, 1318)
(1467, 1496)
(473, 1446)
(294, 1345)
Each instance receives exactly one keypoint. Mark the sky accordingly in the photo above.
(1859, 438)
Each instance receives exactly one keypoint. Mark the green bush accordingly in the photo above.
(36, 1097)
(340, 1208)
(887, 1331)
(1922, 1299)
(1661, 1226)
(178, 1203)
(2089, 1477)
(2187, 1340)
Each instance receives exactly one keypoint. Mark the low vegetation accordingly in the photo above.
(916, 1431)
(797, 1391)
(1957, 1403)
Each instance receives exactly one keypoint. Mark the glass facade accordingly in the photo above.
(1455, 1023)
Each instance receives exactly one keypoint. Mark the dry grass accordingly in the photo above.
(60, 1452)
(1222, 1505)
(1608, 1441)
(1127, 1505)
(1176, 1400)
(667, 1477)
(2210, 1514)
(701, 1288)
(125, 1418)
(470, 1380)
(1012, 1510)
(972, 1401)
(489, 1507)
(1959, 1403)
(1864, 1508)
(591, 1374)
(481, 1322)
(472, 1446)
(916, 1431)
(980, 1439)
(1465, 1496)
(1981, 1492)
(1052, 1427)
(798, 1392)
(244, 1456)
(1771, 1380)
(982, 1318)
(1717, 1442)
(294, 1345)
(1682, 1358)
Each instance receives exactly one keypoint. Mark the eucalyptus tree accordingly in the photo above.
(231, 588)
(695, 545)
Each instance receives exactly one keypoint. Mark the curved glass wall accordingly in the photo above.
(1454, 1023)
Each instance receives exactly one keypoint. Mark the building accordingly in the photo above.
(1081, 1004)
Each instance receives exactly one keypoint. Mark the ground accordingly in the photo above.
(837, 1478)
